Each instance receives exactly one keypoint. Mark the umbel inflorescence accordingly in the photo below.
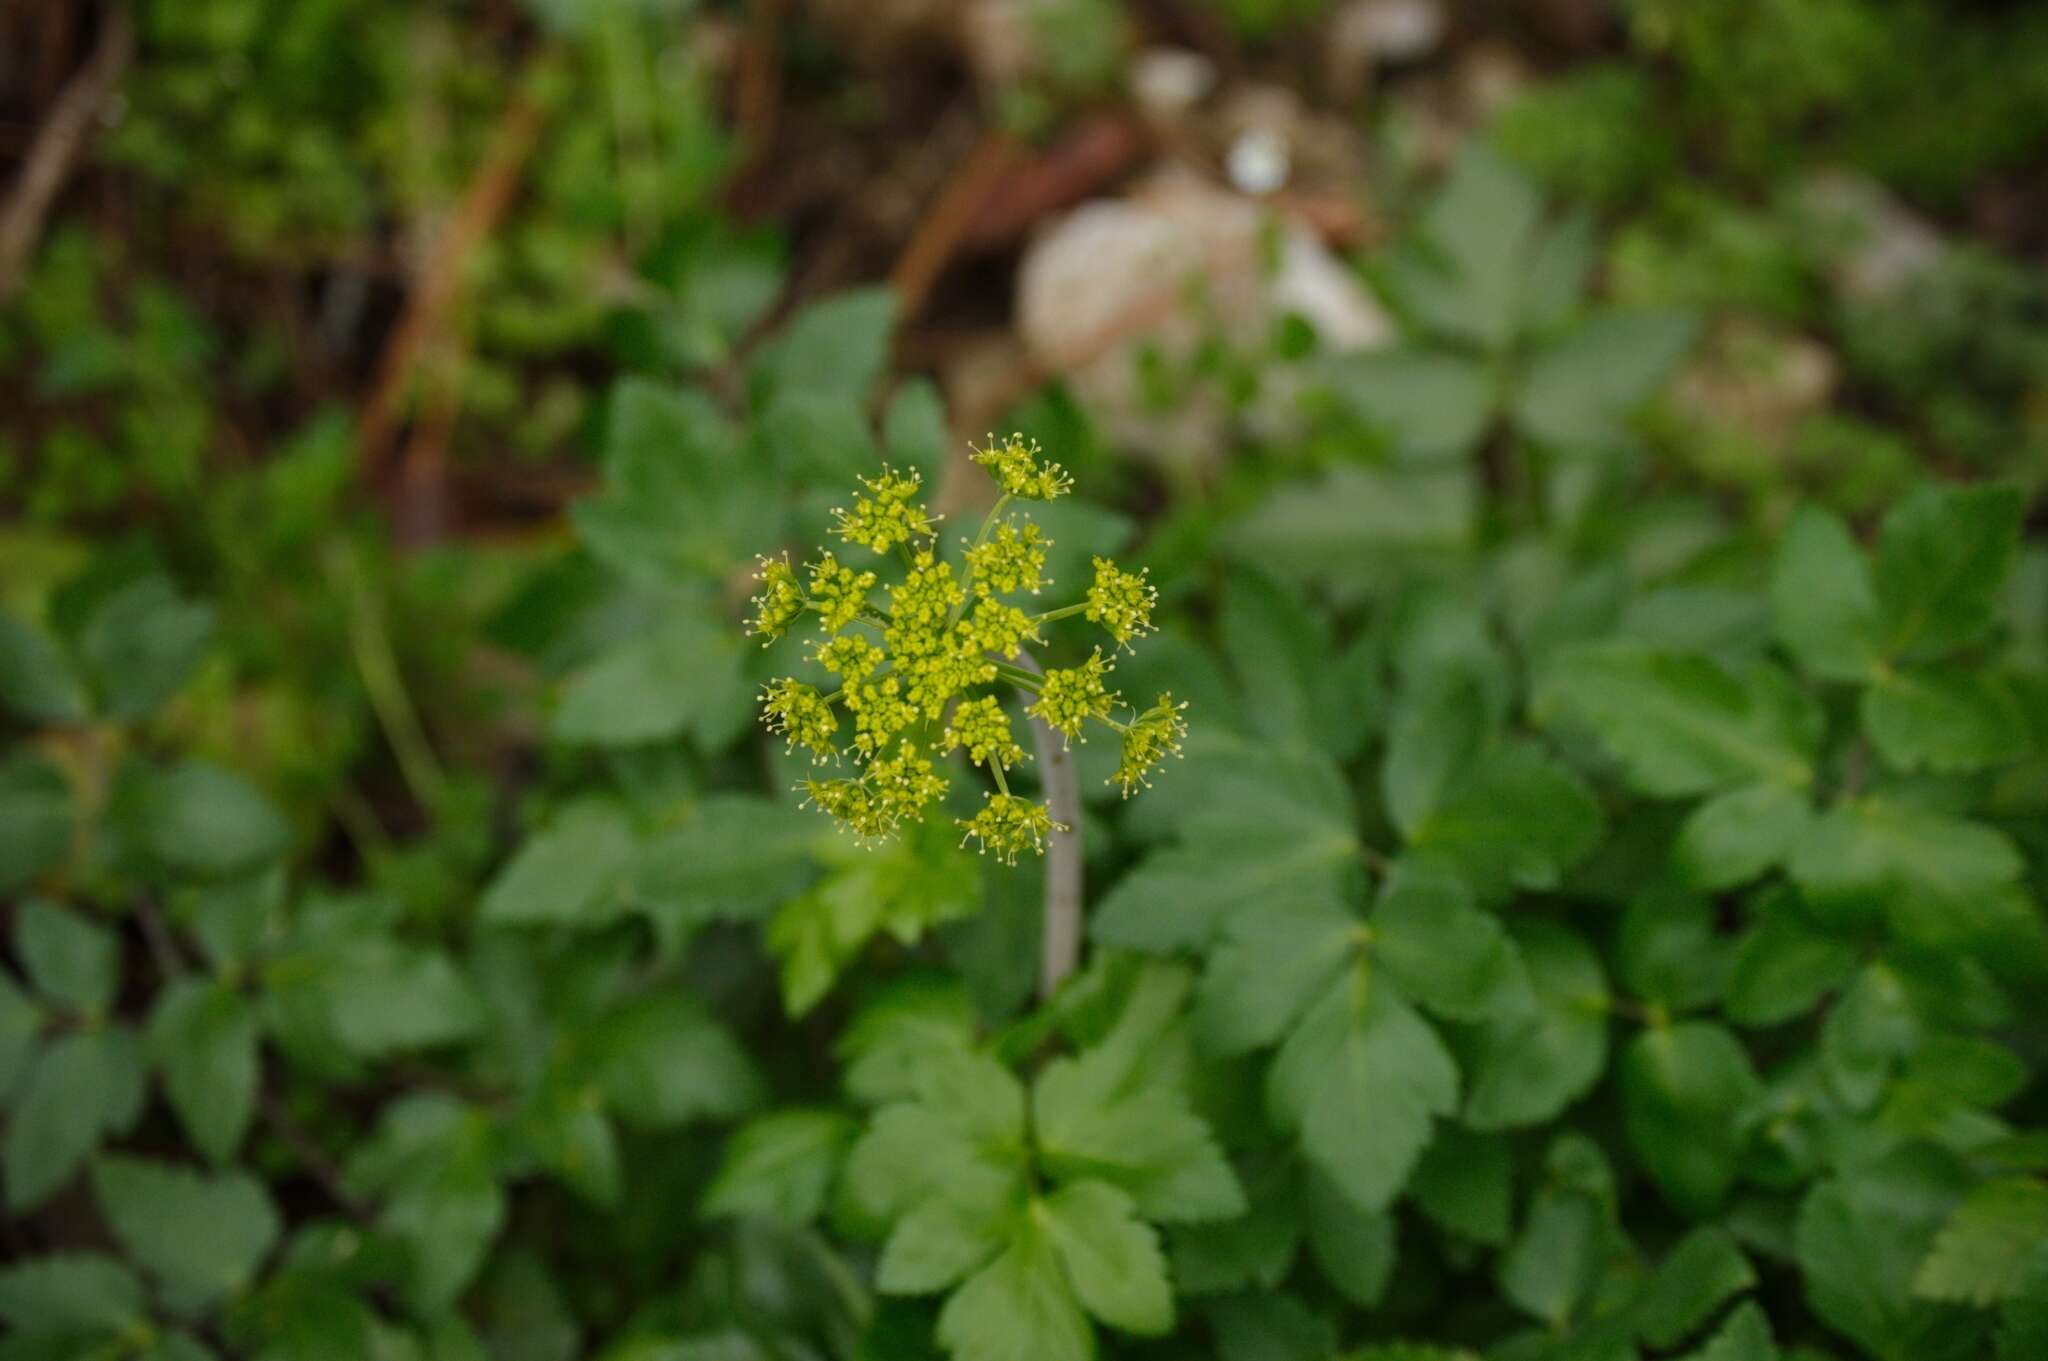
(920, 661)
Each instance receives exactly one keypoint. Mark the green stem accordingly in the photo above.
(384, 683)
(1025, 680)
(995, 768)
(1063, 612)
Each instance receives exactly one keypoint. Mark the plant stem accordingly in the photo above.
(1063, 612)
(1060, 950)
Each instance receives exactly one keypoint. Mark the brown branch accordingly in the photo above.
(57, 147)
(938, 236)
(440, 277)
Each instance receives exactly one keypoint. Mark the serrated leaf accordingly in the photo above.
(914, 430)
(780, 1165)
(1576, 393)
(1680, 724)
(1529, 1063)
(949, 1235)
(1270, 1326)
(1020, 1307)
(71, 960)
(1736, 836)
(1982, 1253)
(202, 819)
(1703, 1272)
(1272, 962)
(1257, 1247)
(203, 1038)
(661, 1062)
(1443, 951)
(1436, 735)
(1464, 1184)
(908, 1030)
(1860, 1239)
(1431, 406)
(1553, 1264)
(1944, 718)
(2023, 1322)
(431, 1164)
(1478, 230)
(1671, 952)
(200, 1236)
(79, 1089)
(68, 1293)
(1517, 820)
(685, 674)
(36, 683)
(35, 819)
(1361, 1082)
(733, 858)
(140, 644)
(1869, 1029)
(1746, 1336)
(1823, 604)
(965, 1116)
(1354, 1248)
(1110, 1255)
(1927, 870)
(574, 872)
(834, 347)
(1942, 557)
(1685, 1089)
(21, 1022)
(1782, 968)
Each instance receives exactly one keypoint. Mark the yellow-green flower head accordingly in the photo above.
(1009, 826)
(852, 804)
(904, 784)
(1010, 559)
(1070, 697)
(921, 607)
(849, 656)
(781, 600)
(838, 591)
(886, 516)
(801, 715)
(995, 627)
(937, 677)
(1152, 737)
(1018, 470)
(1121, 601)
(879, 711)
(981, 726)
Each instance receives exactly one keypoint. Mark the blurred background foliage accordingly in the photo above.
(397, 394)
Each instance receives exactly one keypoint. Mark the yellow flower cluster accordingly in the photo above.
(908, 669)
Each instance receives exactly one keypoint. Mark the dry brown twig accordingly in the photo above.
(57, 147)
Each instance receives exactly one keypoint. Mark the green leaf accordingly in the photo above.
(1270, 1327)
(574, 872)
(1478, 229)
(1110, 1255)
(1464, 1184)
(72, 961)
(686, 673)
(82, 1087)
(1685, 1089)
(1443, 951)
(1671, 952)
(65, 1294)
(1680, 724)
(1703, 1272)
(2023, 1323)
(202, 819)
(35, 819)
(965, 1118)
(1118, 1113)
(21, 1022)
(661, 1063)
(1873, 855)
(1576, 393)
(1354, 1248)
(381, 996)
(1861, 1237)
(1273, 961)
(1362, 1081)
(949, 1235)
(1746, 1336)
(1823, 605)
(1281, 653)
(734, 858)
(1736, 836)
(1431, 406)
(1530, 1062)
(1944, 719)
(140, 644)
(200, 1236)
(683, 502)
(780, 1165)
(432, 1163)
(910, 1029)
(1357, 526)
(203, 1036)
(914, 430)
(1782, 968)
(1942, 557)
(1434, 738)
(1981, 1255)
(36, 683)
(1868, 1030)
(836, 347)
(1020, 1307)
(1255, 1249)
(1554, 1263)
(1518, 820)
